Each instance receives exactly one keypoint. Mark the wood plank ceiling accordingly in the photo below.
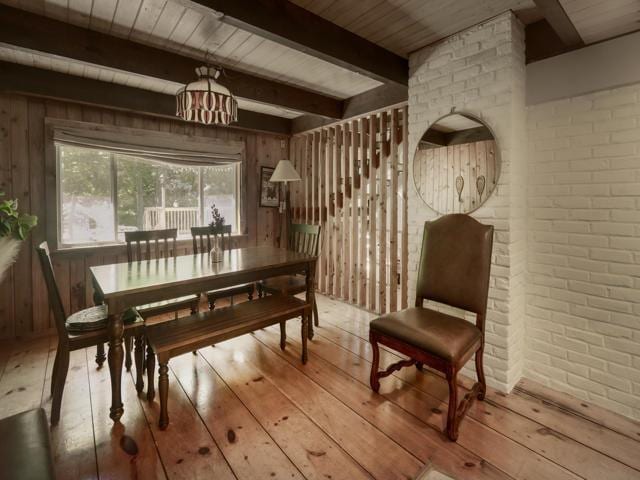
(195, 30)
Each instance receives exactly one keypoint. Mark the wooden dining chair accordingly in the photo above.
(204, 238)
(454, 270)
(302, 238)
(79, 330)
(163, 244)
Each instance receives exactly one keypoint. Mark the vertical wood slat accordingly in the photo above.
(353, 297)
(382, 218)
(337, 230)
(322, 261)
(404, 259)
(328, 230)
(363, 217)
(7, 284)
(393, 220)
(373, 204)
(346, 269)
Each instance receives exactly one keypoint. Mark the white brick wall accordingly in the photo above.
(481, 71)
(583, 281)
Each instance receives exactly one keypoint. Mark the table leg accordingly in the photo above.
(116, 356)
(311, 292)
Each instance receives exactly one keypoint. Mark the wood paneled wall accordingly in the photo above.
(24, 309)
(437, 171)
(354, 184)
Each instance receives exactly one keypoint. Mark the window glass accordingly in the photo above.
(86, 196)
(104, 194)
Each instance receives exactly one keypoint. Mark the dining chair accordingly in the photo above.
(454, 268)
(81, 329)
(204, 238)
(302, 238)
(163, 244)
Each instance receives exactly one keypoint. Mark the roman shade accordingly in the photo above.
(150, 145)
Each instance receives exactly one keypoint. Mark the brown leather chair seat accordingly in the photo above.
(25, 451)
(440, 334)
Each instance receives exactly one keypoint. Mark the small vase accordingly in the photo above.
(215, 254)
(9, 248)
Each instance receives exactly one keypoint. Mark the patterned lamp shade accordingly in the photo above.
(206, 101)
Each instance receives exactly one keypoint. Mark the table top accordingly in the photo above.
(121, 279)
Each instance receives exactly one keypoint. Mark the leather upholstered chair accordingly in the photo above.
(454, 270)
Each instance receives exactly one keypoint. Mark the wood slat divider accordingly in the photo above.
(355, 176)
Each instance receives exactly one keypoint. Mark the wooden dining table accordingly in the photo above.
(125, 285)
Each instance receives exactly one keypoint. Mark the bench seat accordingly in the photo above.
(187, 334)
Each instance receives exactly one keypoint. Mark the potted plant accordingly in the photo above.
(14, 227)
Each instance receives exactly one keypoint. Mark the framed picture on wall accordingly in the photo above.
(269, 191)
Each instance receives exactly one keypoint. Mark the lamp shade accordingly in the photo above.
(206, 101)
(285, 172)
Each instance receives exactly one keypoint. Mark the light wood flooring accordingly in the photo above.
(244, 409)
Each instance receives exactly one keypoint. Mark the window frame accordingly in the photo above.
(53, 189)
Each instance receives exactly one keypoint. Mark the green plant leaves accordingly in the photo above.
(12, 222)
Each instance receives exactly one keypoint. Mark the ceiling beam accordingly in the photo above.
(384, 96)
(25, 80)
(298, 28)
(560, 22)
(34, 32)
(542, 41)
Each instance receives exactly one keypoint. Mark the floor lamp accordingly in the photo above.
(285, 172)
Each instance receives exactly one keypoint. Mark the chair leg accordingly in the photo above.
(212, 303)
(306, 318)
(195, 307)
(100, 355)
(250, 292)
(480, 373)
(163, 388)
(316, 321)
(56, 365)
(139, 359)
(62, 359)
(151, 366)
(128, 344)
(283, 335)
(373, 379)
(260, 290)
(419, 366)
(452, 417)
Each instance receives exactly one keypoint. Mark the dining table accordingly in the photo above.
(122, 286)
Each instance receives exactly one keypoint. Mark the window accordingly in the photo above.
(102, 194)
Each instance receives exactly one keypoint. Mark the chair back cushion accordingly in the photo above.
(455, 263)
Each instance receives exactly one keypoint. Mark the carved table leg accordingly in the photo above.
(116, 355)
(163, 389)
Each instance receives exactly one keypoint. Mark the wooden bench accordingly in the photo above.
(199, 330)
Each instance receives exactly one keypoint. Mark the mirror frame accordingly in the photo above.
(498, 157)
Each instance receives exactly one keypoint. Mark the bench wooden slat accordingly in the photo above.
(195, 331)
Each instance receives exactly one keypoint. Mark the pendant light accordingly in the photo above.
(206, 101)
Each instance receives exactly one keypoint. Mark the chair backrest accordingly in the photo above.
(55, 301)
(304, 238)
(455, 264)
(167, 236)
(202, 237)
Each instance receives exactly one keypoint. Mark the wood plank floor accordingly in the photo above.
(245, 409)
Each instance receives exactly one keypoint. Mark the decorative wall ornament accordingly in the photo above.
(459, 186)
(457, 150)
(206, 101)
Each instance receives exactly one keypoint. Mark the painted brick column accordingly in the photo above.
(481, 71)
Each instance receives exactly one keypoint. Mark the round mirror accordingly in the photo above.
(456, 165)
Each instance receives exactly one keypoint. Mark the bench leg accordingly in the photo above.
(139, 359)
(151, 366)
(305, 331)
(283, 335)
(128, 346)
(163, 389)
